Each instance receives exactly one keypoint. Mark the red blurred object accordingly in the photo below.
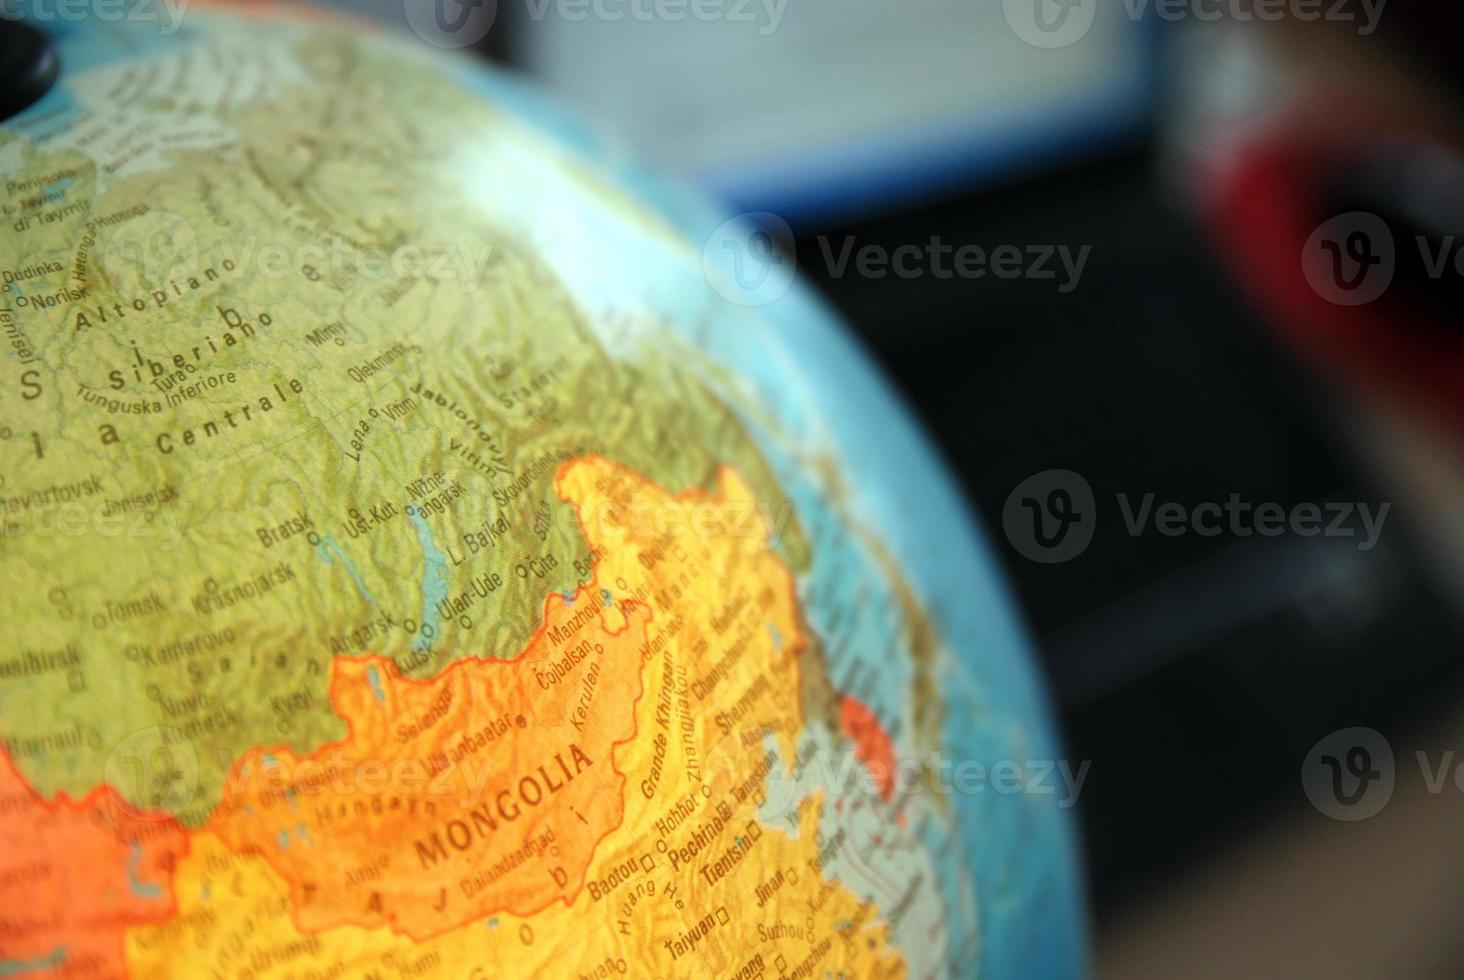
(1283, 217)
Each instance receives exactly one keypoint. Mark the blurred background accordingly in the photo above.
(1252, 290)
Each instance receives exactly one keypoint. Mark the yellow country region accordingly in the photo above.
(694, 883)
(234, 921)
(724, 602)
(694, 877)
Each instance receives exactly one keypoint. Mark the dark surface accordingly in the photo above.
(1195, 673)
(28, 67)
(1428, 32)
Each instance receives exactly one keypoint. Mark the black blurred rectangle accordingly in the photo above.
(1193, 672)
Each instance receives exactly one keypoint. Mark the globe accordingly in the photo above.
(434, 546)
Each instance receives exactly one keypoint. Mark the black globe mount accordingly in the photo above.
(28, 66)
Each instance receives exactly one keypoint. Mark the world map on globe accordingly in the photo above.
(424, 554)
